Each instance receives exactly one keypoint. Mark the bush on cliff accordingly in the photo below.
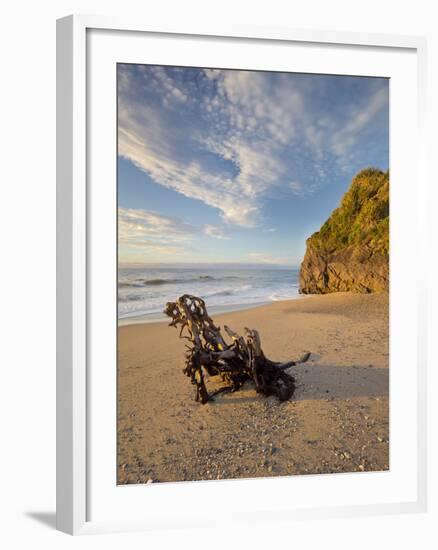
(362, 217)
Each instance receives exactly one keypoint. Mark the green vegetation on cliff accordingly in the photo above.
(351, 250)
(361, 219)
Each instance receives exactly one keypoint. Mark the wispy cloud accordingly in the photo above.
(343, 139)
(230, 139)
(150, 231)
(215, 231)
(265, 258)
(296, 187)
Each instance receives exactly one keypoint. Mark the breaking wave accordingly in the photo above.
(146, 291)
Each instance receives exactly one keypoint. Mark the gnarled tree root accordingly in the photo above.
(235, 363)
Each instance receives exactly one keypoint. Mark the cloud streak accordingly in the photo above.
(264, 258)
(232, 139)
(148, 231)
(215, 231)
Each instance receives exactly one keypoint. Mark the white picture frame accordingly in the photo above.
(78, 404)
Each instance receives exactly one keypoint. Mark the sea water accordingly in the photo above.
(144, 291)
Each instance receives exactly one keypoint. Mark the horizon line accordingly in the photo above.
(210, 264)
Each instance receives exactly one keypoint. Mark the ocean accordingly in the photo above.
(144, 291)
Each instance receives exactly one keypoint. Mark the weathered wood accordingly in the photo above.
(236, 363)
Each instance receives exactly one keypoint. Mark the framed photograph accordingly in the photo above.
(241, 301)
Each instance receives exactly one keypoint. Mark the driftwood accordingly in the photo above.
(235, 363)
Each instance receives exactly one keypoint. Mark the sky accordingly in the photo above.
(227, 166)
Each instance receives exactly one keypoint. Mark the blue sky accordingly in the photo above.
(238, 166)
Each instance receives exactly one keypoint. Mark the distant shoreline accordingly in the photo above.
(157, 317)
(143, 293)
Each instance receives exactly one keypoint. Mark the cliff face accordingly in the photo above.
(351, 250)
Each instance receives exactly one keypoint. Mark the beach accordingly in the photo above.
(337, 420)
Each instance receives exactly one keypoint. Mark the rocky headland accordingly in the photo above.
(351, 250)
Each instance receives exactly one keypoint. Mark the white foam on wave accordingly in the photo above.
(218, 289)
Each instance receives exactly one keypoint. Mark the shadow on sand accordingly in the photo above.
(324, 381)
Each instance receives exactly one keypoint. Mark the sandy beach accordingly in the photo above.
(337, 421)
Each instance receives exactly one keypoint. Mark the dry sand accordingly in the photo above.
(337, 421)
